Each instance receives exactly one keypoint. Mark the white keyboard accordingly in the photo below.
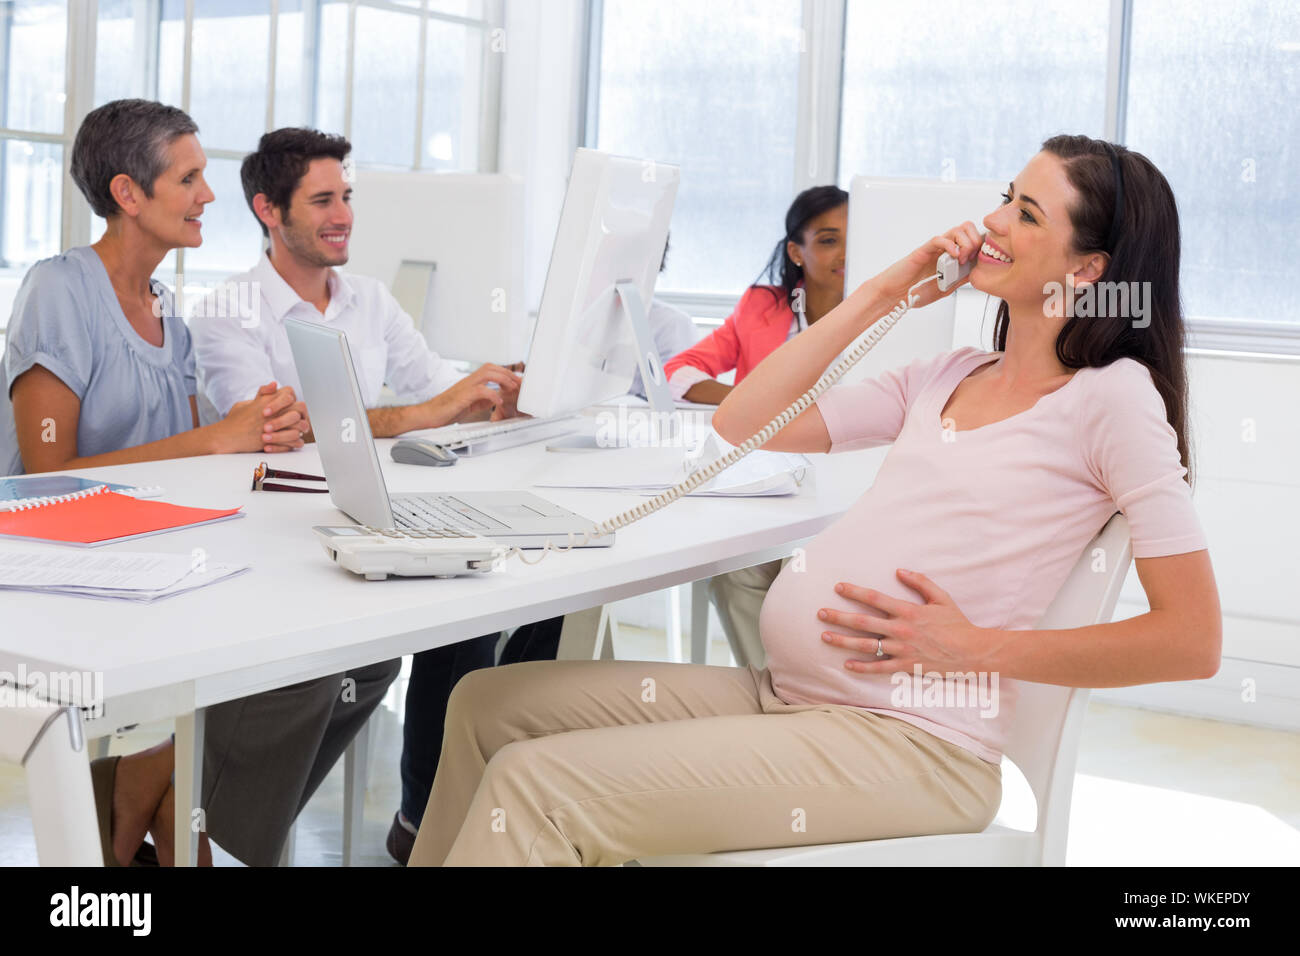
(430, 512)
(470, 438)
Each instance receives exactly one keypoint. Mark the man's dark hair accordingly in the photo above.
(124, 137)
(280, 162)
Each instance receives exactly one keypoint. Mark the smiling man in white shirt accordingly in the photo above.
(297, 186)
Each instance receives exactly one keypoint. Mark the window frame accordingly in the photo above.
(821, 87)
(79, 79)
(64, 139)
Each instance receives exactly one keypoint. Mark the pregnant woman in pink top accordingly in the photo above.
(1004, 465)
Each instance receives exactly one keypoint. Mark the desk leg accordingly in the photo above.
(189, 786)
(673, 626)
(582, 637)
(700, 622)
(355, 763)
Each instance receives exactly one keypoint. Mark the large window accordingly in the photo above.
(940, 89)
(32, 106)
(713, 87)
(406, 81)
(932, 89)
(1209, 97)
(1214, 101)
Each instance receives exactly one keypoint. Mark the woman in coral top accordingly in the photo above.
(806, 272)
(806, 281)
(1026, 451)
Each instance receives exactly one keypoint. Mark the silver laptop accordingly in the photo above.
(356, 483)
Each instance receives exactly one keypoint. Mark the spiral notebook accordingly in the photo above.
(22, 490)
(100, 516)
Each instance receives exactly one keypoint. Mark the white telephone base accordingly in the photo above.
(377, 553)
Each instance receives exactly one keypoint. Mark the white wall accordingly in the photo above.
(1246, 448)
(541, 87)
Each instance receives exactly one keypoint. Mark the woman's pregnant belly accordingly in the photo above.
(804, 667)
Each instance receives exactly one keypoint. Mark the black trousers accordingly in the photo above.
(265, 755)
(433, 675)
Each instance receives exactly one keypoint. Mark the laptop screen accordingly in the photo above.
(339, 422)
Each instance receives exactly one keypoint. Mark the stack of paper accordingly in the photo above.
(131, 576)
(650, 471)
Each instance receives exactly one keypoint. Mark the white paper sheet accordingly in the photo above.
(131, 576)
(652, 470)
(137, 571)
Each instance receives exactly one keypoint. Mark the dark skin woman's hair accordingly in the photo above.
(1146, 249)
(780, 270)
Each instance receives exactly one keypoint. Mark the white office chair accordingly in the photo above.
(1043, 743)
(47, 741)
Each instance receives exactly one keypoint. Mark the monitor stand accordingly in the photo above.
(662, 409)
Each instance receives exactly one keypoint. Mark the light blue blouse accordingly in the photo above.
(67, 318)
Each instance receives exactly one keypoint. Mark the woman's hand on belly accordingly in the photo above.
(935, 634)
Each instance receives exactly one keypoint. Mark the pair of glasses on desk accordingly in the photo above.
(265, 471)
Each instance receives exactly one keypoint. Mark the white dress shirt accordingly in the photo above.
(234, 360)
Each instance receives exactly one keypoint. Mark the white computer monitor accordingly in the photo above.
(888, 218)
(591, 332)
(450, 248)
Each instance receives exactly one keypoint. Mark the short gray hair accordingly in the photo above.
(124, 136)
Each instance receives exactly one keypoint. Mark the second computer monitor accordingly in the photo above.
(450, 248)
(612, 232)
(888, 218)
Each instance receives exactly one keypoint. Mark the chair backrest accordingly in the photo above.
(1044, 738)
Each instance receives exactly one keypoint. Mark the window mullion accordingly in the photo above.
(187, 57)
(349, 69)
(489, 89)
(1119, 50)
(310, 58)
(273, 39)
(589, 115)
(147, 16)
(79, 90)
(820, 45)
(418, 159)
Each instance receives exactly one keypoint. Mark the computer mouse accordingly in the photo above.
(420, 451)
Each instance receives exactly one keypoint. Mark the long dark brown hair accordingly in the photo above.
(781, 272)
(1147, 248)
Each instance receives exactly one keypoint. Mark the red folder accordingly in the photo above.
(99, 516)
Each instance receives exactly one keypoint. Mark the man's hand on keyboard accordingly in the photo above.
(505, 407)
(473, 398)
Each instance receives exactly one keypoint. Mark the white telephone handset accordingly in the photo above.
(951, 271)
(948, 272)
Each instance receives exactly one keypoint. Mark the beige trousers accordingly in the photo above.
(738, 597)
(600, 762)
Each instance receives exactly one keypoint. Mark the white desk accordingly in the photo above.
(295, 616)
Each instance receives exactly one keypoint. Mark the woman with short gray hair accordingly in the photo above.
(99, 366)
(102, 373)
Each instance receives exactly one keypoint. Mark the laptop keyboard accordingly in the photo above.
(428, 511)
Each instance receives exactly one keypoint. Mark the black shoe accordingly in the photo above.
(147, 855)
(400, 841)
